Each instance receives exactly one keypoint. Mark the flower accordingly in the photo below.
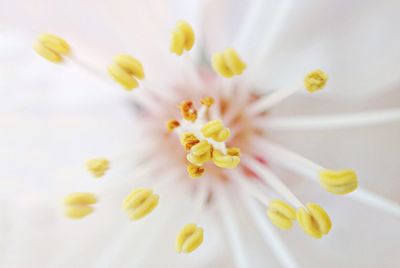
(242, 119)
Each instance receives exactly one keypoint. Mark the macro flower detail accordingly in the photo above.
(221, 143)
(79, 205)
(51, 47)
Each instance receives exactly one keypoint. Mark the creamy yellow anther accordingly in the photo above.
(189, 238)
(182, 38)
(339, 182)
(78, 205)
(315, 80)
(201, 148)
(225, 161)
(228, 63)
(51, 47)
(140, 203)
(314, 220)
(234, 151)
(207, 101)
(215, 129)
(188, 111)
(195, 171)
(199, 160)
(281, 214)
(188, 140)
(172, 124)
(98, 166)
(125, 69)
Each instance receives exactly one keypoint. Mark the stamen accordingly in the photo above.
(315, 80)
(182, 38)
(188, 140)
(233, 151)
(225, 161)
(78, 205)
(189, 238)
(140, 203)
(188, 111)
(195, 171)
(200, 159)
(172, 124)
(314, 220)
(215, 129)
(281, 214)
(228, 63)
(98, 166)
(51, 47)
(207, 101)
(125, 69)
(338, 182)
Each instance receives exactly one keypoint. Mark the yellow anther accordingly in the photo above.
(338, 182)
(172, 124)
(225, 161)
(188, 140)
(98, 166)
(139, 203)
(188, 111)
(125, 69)
(199, 160)
(228, 63)
(201, 148)
(233, 151)
(314, 220)
(189, 238)
(215, 129)
(281, 214)
(182, 38)
(195, 171)
(78, 205)
(207, 101)
(51, 47)
(315, 80)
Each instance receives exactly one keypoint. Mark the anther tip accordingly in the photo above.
(315, 80)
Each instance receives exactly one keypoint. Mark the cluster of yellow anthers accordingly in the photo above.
(312, 218)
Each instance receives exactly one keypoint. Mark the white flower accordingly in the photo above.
(59, 116)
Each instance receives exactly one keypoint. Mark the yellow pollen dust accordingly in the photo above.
(139, 203)
(188, 111)
(315, 80)
(189, 238)
(228, 63)
(314, 220)
(338, 182)
(172, 124)
(188, 140)
(98, 166)
(207, 101)
(182, 38)
(78, 205)
(125, 70)
(215, 129)
(51, 47)
(281, 214)
(195, 171)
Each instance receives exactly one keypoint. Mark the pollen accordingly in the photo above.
(339, 182)
(172, 124)
(195, 171)
(188, 140)
(281, 214)
(51, 47)
(215, 129)
(139, 203)
(189, 238)
(188, 111)
(125, 70)
(182, 38)
(225, 161)
(98, 166)
(314, 220)
(234, 151)
(78, 205)
(315, 80)
(207, 101)
(228, 63)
